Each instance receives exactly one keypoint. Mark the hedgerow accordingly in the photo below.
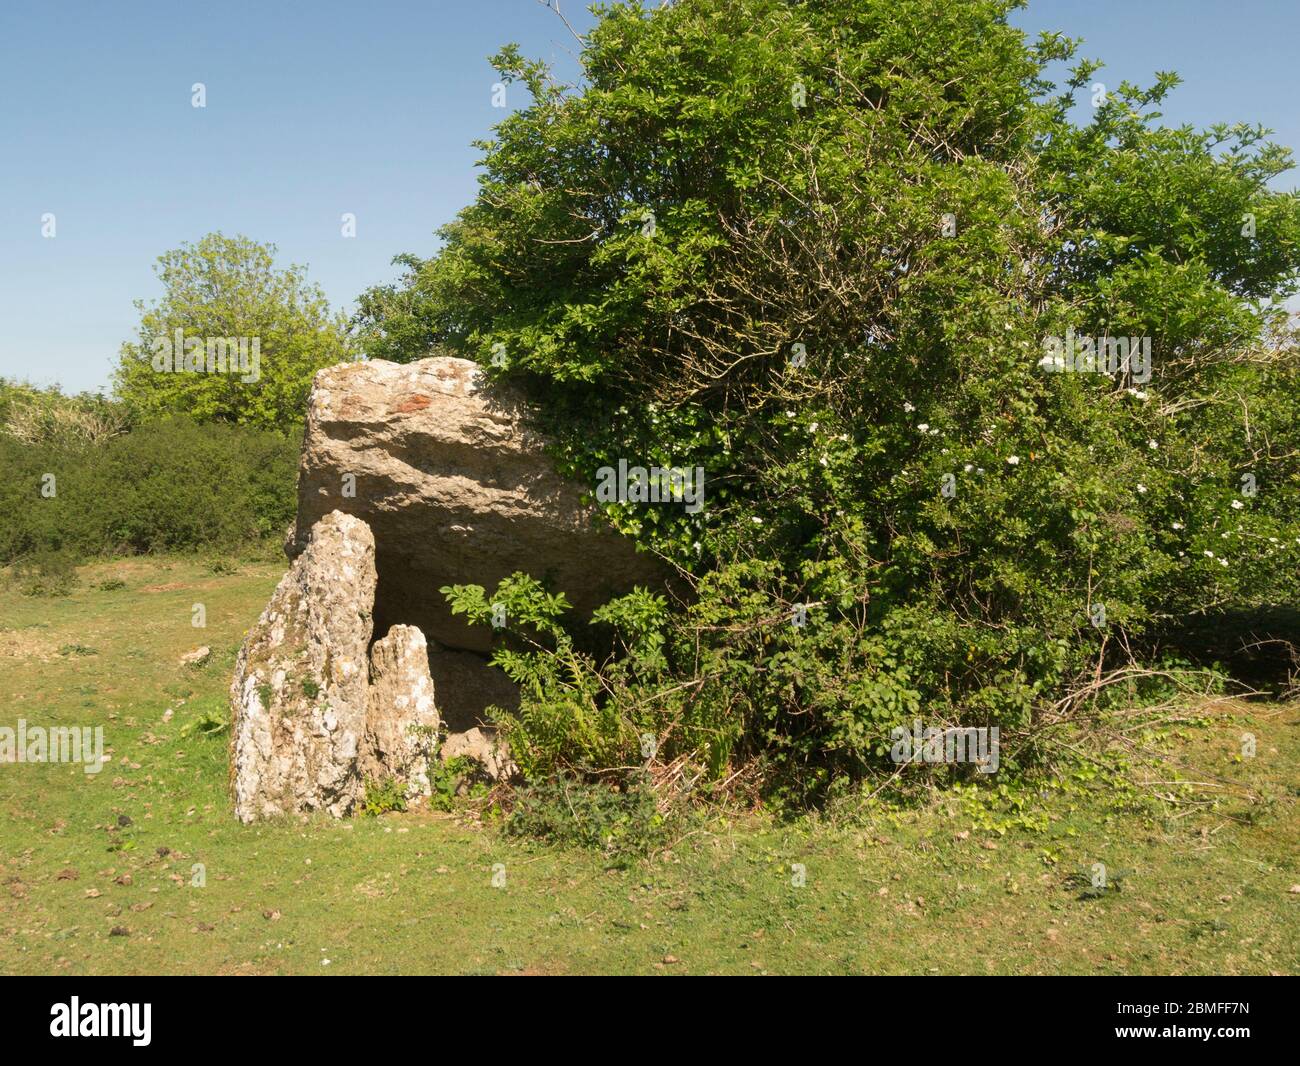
(167, 485)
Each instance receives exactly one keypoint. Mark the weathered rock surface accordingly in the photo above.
(197, 657)
(483, 747)
(402, 719)
(299, 693)
(456, 488)
(412, 477)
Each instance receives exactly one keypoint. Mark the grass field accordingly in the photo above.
(98, 873)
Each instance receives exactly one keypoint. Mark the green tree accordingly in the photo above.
(233, 338)
(822, 250)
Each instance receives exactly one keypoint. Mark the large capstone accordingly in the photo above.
(457, 487)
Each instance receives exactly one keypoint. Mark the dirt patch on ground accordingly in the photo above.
(26, 646)
(243, 969)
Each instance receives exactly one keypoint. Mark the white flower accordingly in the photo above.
(1208, 554)
(1223, 562)
(908, 407)
(756, 520)
(1137, 393)
(1014, 460)
(923, 427)
(1272, 540)
(1237, 505)
(789, 414)
(1142, 488)
(1178, 525)
(823, 461)
(968, 468)
(813, 428)
(1152, 445)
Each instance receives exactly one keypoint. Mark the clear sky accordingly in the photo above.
(319, 108)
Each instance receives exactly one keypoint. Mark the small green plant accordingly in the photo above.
(383, 796)
(47, 572)
(623, 820)
(447, 778)
(207, 724)
(310, 689)
(1099, 882)
(112, 584)
(77, 649)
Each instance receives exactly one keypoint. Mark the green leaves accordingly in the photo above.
(894, 191)
(224, 295)
(520, 601)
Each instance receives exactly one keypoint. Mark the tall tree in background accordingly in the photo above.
(225, 296)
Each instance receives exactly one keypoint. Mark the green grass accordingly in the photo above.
(886, 892)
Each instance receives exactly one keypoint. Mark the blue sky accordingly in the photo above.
(322, 108)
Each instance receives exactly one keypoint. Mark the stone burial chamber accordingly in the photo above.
(412, 477)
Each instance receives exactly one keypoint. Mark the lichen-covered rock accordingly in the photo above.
(401, 718)
(485, 748)
(299, 694)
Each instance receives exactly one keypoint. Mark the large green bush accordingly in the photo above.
(822, 250)
(172, 484)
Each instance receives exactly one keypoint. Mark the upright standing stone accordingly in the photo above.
(299, 694)
(401, 718)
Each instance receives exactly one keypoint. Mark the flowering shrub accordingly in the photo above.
(831, 253)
